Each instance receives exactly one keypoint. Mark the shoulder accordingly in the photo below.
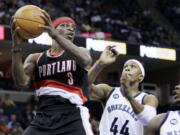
(156, 122)
(84, 49)
(103, 87)
(88, 57)
(100, 90)
(151, 100)
(33, 57)
(30, 61)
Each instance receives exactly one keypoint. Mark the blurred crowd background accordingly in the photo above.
(124, 20)
(120, 20)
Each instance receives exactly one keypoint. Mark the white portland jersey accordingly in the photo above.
(118, 117)
(171, 124)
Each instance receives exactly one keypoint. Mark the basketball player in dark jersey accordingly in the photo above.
(60, 79)
(166, 123)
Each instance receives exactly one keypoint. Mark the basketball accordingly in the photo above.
(28, 18)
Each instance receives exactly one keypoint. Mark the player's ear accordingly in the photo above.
(141, 77)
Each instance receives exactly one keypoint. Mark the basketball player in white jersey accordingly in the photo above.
(127, 110)
(166, 123)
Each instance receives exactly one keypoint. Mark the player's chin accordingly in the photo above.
(122, 81)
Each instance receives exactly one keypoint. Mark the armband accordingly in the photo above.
(97, 67)
(147, 114)
(16, 50)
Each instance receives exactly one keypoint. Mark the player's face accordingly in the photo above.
(131, 71)
(67, 29)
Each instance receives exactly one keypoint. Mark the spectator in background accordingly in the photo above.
(33, 102)
(177, 93)
(103, 14)
(1, 103)
(134, 36)
(28, 115)
(9, 104)
(1, 74)
(8, 101)
(14, 126)
(3, 123)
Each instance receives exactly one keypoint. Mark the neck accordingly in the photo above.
(134, 93)
(133, 88)
(55, 48)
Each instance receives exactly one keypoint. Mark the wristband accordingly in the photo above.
(97, 67)
(147, 114)
(16, 50)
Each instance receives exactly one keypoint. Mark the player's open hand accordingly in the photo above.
(177, 93)
(108, 56)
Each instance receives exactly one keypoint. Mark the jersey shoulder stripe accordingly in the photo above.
(56, 84)
(163, 121)
(110, 93)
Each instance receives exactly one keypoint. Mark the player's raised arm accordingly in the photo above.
(64, 35)
(107, 57)
(20, 75)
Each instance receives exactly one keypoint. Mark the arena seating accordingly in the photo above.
(126, 21)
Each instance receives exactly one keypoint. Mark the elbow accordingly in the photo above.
(91, 78)
(90, 81)
(87, 61)
(21, 83)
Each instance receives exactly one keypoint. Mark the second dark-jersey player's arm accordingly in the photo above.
(108, 56)
(23, 73)
(101, 91)
(94, 71)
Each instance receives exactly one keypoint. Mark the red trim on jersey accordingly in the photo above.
(38, 56)
(56, 84)
(51, 54)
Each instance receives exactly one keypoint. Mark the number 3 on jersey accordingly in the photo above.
(124, 129)
(70, 78)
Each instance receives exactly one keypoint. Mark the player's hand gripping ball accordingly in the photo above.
(28, 18)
